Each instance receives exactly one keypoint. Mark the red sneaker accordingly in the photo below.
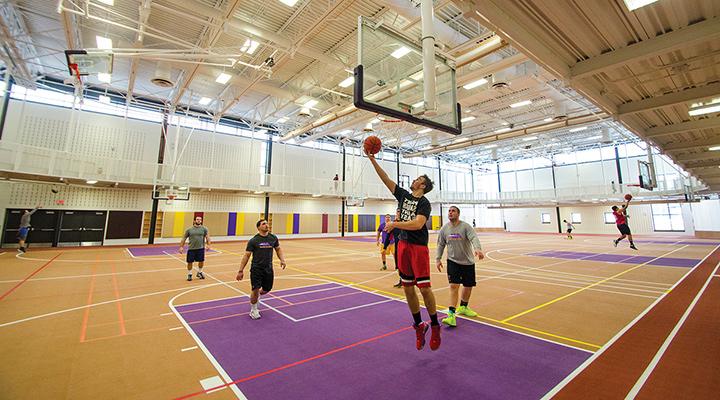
(435, 337)
(420, 335)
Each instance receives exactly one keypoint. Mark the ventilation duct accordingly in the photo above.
(163, 75)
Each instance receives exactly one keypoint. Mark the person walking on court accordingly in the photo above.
(395, 237)
(413, 252)
(261, 272)
(386, 238)
(461, 241)
(198, 241)
(569, 227)
(621, 222)
(24, 228)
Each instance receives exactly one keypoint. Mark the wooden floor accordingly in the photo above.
(89, 323)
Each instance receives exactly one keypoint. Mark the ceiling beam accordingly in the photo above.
(692, 144)
(705, 123)
(697, 156)
(671, 99)
(663, 44)
(702, 164)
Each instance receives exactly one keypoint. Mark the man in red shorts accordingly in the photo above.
(413, 254)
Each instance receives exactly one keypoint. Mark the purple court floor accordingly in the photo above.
(619, 258)
(148, 251)
(336, 342)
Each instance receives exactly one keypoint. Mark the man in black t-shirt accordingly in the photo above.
(413, 254)
(261, 273)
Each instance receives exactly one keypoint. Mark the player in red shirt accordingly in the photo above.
(621, 222)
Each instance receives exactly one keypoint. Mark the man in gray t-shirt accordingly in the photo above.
(199, 241)
(24, 228)
(460, 239)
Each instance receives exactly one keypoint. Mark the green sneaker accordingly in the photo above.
(450, 320)
(465, 310)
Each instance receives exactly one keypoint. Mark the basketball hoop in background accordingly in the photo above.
(170, 199)
(170, 191)
(355, 201)
(386, 119)
(82, 63)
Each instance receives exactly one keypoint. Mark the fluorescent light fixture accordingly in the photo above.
(418, 104)
(204, 101)
(282, 120)
(103, 42)
(345, 132)
(504, 123)
(259, 192)
(310, 103)
(529, 138)
(108, 2)
(474, 84)
(262, 131)
(374, 121)
(490, 146)
(521, 104)
(712, 106)
(289, 3)
(593, 138)
(182, 188)
(104, 99)
(417, 76)
(633, 5)
(317, 195)
(223, 78)
(347, 82)
(582, 128)
(714, 148)
(467, 119)
(400, 52)
(548, 119)
(250, 46)
(104, 77)
(501, 130)
(91, 182)
(426, 130)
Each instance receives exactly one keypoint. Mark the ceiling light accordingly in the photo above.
(104, 43)
(501, 130)
(521, 103)
(289, 3)
(374, 121)
(490, 146)
(712, 106)
(529, 138)
(259, 192)
(104, 99)
(474, 84)
(282, 120)
(347, 82)
(548, 119)
(104, 77)
(714, 148)
(262, 131)
(582, 128)
(426, 130)
(504, 123)
(204, 101)
(310, 103)
(108, 2)
(633, 5)
(250, 46)
(400, 52)
(418, 104)
(317, 195)
(91, 182)
(417, 76)
(182, 188)
(466, 119)
(223, 78)
(593, 138)
(345, 132)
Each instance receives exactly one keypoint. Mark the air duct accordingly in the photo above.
(163, 75)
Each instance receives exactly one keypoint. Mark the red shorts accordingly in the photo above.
(413, 264)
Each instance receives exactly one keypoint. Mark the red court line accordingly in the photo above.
(118, 303)
(86, 315)
(28, 277)
(296, 363)
(280, 298)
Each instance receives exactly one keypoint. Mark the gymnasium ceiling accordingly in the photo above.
(620, 74)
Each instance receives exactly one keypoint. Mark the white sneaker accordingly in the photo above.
(255, 314)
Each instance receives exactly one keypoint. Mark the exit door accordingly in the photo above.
(82, 228)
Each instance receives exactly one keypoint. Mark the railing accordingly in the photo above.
(15, 157)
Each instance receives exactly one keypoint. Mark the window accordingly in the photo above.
(609, 218)
(668, 217)
(576, 218)
(545, 218)
(405, 181)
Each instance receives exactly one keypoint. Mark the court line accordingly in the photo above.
(671, 336)
(585, 288)
(296, 363)
(618, 335)
(345, 309)
(28, 277)
(175, 328)
(232, 297)
(189, 348)
(86, 314)
(118, 304)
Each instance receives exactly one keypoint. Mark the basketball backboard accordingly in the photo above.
(167, 190)
(389, 79)
(89, 62)
(644, 175)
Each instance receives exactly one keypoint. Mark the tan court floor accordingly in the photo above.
(92, 323)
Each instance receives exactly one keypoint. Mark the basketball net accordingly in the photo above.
(78, 81)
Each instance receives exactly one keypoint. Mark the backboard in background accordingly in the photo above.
(172, 191)
(89, 63)
(389, 79)
(645, 176)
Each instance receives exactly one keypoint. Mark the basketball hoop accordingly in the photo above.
(170, 199)
(385, 118)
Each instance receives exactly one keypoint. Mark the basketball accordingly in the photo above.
(628, 197)
(372, 145)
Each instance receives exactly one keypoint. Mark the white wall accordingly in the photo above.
(528, 220)
(706, 215)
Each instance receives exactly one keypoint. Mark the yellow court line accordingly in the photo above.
(585, 288)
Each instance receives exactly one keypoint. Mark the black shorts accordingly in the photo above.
(197, 255)
(624, 229)
(262, 278)
(569, 231)
(461, 274)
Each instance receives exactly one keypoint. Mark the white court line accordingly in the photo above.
(130, 252)
(661, 351)
(235, 297)
(175, 328)
(617, 336)
(167, 313)
(189, 348)
(345, 309)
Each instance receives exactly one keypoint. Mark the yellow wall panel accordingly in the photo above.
(178, 224)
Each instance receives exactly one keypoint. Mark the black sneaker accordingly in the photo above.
(615, 242)
(200, 275)
(398, 285)
(632, 246)
(384, 267)
(189, 278)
